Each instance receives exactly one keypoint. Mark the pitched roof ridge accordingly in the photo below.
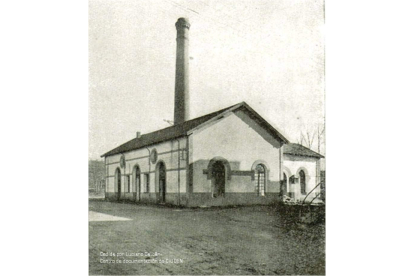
(182, 129)
(177, 126)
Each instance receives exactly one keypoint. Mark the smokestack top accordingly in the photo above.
(182, 22)
(182, 93)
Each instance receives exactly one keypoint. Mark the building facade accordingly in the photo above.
(301, 172)
(229, 157)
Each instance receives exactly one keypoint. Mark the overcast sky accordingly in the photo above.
(269, 54)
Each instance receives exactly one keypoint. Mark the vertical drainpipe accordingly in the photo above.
(149, 169)
(318, 177)
(316, 173)
(124, 182)
(106, 176)
(280, 166)
(187, 166)
(179, 170)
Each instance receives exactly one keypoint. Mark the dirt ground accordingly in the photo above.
(164, 240)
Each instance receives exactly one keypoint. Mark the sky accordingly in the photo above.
(269, 54)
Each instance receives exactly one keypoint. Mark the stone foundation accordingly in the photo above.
(155, 198)
(199, 199)
(206, 199)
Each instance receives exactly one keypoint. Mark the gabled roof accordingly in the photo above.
(182, 129)
(299, 150)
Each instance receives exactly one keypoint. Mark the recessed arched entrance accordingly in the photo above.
(218, 179)
(162, 181)
(137, 181)
(118, 183)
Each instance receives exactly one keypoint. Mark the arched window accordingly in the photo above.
(137, 181)
(161, 175)
(260, 176)
(118, 183)
(302, 181)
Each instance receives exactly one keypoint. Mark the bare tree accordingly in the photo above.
(321, 131)
(301, 139)
(308, 138)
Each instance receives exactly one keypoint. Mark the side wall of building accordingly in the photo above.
(310, 166)
(171, 153)
(242, 144)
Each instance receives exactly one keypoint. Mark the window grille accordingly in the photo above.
(260, 179)
(302, 180)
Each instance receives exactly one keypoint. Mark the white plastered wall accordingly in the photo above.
(311, 168)
(167, 152)
(236, 138)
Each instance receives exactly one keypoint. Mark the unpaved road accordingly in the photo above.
(243, 240)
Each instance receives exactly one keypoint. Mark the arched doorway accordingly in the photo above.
(283, 185)
(302, 181)
(118, 183)
(218, 179)
(260, 177)
(162, 181)
(137, 173)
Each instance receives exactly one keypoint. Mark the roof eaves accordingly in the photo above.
(316, 155)
(117, 150)
(184, 132)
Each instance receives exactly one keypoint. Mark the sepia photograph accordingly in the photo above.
(206, 137)
(206, 131)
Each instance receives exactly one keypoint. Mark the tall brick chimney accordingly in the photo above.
(182, 94)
